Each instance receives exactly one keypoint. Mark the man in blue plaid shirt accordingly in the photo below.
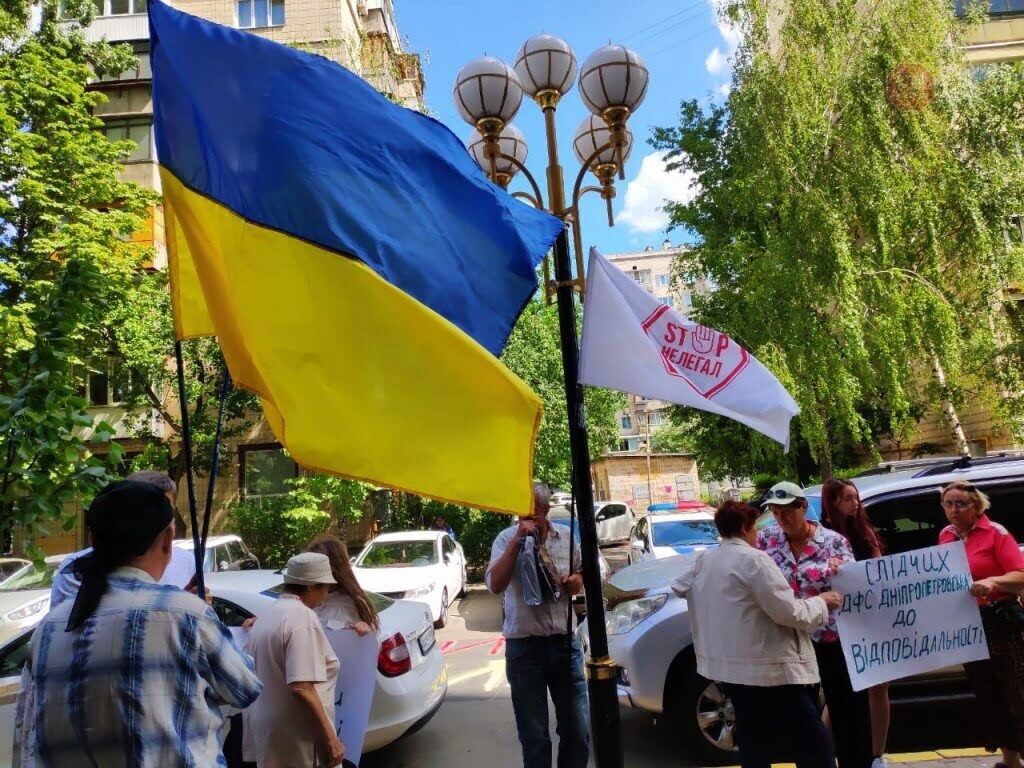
(133, 673)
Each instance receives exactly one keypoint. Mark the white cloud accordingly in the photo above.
(716, 61)
(729, 32)
(647, 194)
(724, 89)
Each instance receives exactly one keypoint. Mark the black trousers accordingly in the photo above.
(780, 723)
(998, 681)
(849, 710)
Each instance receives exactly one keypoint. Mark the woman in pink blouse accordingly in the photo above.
(808, 554)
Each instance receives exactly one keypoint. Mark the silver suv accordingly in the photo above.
(650, 636)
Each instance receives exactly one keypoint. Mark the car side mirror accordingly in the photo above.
(447, 559)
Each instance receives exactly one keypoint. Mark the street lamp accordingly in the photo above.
(613, 83)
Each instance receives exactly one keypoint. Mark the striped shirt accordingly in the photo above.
(140, 683)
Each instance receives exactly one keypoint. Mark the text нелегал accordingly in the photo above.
(908, 613)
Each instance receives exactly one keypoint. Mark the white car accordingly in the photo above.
(428, 566)
(11, 567)
(412, 680)
(223, 553)
(615, 519)
(656, 537)
(25, 597)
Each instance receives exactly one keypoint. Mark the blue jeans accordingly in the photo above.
(534, 666)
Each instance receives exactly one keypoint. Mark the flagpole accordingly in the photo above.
(225, 388)
(186, 439)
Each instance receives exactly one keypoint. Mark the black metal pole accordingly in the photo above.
(186, 440)
(225, 387)
(604, 701)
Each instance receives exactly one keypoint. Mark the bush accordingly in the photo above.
(274, 530)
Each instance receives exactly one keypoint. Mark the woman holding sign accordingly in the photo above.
(842, 512)
(996, 565)
(808, 554)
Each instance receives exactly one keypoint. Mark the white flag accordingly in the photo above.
(634, 343)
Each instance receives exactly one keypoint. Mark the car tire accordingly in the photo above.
(698, 712)
(442, 619)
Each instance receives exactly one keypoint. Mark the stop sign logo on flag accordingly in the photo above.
(634, 343)
(702, 357)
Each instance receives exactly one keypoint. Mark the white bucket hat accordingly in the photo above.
(308, 568)
(783, 494)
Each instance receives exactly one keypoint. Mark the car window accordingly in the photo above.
(379, 602)
(908, 522)
(15, 655)
(10, 567)
(675, 533)
(399, 554)
(1008, 507)
(229, 614)
(612, 510)
(447, 547)
(33, 578)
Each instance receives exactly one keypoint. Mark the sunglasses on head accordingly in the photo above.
(780, 494)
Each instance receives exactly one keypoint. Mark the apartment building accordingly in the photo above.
(363, 36)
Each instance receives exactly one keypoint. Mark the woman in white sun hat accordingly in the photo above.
(292, 721)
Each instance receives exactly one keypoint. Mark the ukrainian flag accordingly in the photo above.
(359, 271)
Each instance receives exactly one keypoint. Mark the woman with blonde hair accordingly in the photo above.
(997, 566)
(346, 606)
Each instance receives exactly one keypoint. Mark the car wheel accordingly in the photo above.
(702, 714)
(442, 619)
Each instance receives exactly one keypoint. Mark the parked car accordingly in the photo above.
(412, 681)
(11, 567)
(25, 597)
(223, 553)
(615, 519)
(649, 635)
(656, 537)
(428, 566)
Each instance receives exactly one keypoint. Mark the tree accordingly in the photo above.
(851, 211)
(534, 354)
(65, 256)
(676, 438)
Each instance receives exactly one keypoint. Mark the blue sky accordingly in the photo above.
(683, 45)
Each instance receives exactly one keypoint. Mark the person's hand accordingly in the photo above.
(194, 589)
(834, 563)
(573, 583)
(335, 751)
(526, 528)
(832, 599)
(249, 623)
(361, 628)
(983, 587)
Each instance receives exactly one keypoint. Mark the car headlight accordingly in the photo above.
(30, 610)
(624, 616)
(423, 591)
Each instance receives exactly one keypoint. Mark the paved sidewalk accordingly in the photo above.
(943, 758)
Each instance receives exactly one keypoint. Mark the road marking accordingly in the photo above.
(452, 649)
(446, 645)
(496, 648)
(976, 752)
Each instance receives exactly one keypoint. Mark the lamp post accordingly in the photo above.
(613, 83)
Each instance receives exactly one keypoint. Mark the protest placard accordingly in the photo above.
(908, 613)
(357, 679)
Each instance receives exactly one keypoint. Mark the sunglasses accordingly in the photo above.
(780, 494)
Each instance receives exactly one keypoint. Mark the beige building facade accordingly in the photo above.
(644, 480)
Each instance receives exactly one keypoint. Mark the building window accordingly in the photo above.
(687, 300)
(668, 301)
(102, 382)
(119, 7)
(141, 70)
(663, 281)
(642, 276)
(253, 14)
(995, 7)
(657, 418)
(266, 471)
(139, 130)
(627, 422)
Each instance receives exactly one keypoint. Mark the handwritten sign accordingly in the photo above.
(357, 678)
(908, 613)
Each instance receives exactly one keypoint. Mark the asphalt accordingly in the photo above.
(475, 727)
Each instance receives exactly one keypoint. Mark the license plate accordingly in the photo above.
(426, 641)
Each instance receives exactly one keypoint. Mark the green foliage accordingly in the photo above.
(675, 438)
(65, 257)
(849, 240)
(277, 527)
(534, 354)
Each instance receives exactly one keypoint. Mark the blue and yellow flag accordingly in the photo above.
(358, 269)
